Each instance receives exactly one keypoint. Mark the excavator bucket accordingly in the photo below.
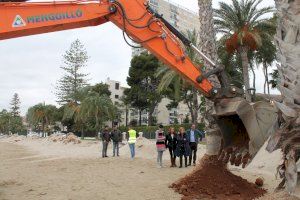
(244, 127)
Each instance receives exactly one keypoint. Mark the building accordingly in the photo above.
(161, 113)
(181, 18)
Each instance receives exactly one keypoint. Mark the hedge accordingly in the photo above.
(152, 129)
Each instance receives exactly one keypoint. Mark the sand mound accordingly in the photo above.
(71, 138)
(212, 180)
(57, 137)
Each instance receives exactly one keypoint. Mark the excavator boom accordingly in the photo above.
(19, 19)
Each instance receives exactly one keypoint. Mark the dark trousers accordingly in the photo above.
(172, 153)
(193, 155)
(104, 149)
(115, 147)
(185, 160)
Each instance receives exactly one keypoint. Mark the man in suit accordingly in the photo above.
(193, 135)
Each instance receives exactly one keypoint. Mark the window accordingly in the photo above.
(154, 2)
(117, 86)
(117, 96)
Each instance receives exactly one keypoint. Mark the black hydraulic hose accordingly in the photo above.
(183, 39)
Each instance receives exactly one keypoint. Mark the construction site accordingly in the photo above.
(244, 145)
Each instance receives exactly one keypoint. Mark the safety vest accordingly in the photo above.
(132, 136)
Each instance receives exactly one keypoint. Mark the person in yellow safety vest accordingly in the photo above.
(131, 138)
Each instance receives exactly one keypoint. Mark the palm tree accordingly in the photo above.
(99, 107)
(172, 83)
(207, 44)
(42, 114)
(244, 25)
(287, 128)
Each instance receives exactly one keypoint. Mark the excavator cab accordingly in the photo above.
(244, 128)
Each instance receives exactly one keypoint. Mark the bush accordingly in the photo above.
(150, 130)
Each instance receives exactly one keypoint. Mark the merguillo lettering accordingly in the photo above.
(55, 16)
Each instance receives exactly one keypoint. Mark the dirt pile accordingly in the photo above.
(211, 180)
(71, 138)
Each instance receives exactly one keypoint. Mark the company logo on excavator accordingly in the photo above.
(18, 22)
(55, 16)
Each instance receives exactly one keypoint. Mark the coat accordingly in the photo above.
(183, 146)
(160, 140)
(198, 135)
(116, 136)
(171, 143)
(105, 136)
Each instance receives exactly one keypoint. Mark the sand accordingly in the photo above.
(35, 169)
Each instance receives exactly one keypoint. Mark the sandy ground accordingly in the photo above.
(39, 169)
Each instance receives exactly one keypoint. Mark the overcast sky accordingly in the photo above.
(30, 66)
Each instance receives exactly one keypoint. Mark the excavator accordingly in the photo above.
(242, 125)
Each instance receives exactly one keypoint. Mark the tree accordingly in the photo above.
(207, 44)
(286, 131)
(99, 107)
(126, 104)
(244, 27)
(143, 84)
(15, 105)
(93, 108)
(42, 117)
(5, 117)
(178, 89)
(15, 120)
(73, 80)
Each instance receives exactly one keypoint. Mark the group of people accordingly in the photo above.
(116, 137)
(183, 144)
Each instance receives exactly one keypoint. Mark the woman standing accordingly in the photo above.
(183, 147)
(171, 143)
(160, 144)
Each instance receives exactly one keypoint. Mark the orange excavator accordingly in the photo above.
(243, 125)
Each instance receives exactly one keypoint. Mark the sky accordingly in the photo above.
(30, 66)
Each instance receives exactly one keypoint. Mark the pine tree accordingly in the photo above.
(15, 105)
(73, 80)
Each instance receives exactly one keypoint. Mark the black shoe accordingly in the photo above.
(106, 156)
(189, 164)
(180, 166)
(186, 165)
(118, 155)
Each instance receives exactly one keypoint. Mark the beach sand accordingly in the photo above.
(39, 169)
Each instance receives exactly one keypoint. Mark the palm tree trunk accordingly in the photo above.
(265, 83)
(267, 80)
(245, 65)
(195, 107)
(288, 134)
(140, 117)
(207, 44)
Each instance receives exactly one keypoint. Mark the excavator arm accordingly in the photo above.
(137, 22)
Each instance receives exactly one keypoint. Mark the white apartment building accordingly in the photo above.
(181, 18)
(161, 113)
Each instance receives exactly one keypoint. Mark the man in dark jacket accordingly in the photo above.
(193, 135)
(105, 136)
(116, 137)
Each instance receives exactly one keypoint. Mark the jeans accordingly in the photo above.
(104, 148)
(159, 157)
(132, 150)
(193, 155)
(115, 146)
